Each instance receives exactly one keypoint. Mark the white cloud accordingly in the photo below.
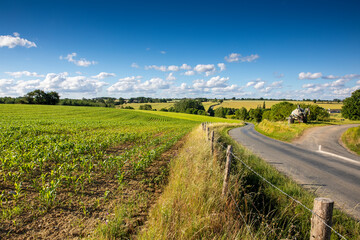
(185, 67)
(173, 68)
(212, 83)
(24, 73)
(60, 82)
(259, 85)
(208, 69)
(272, 86)
(189, 73)
(162, 52)
(236, 57)
(358, 82)
(309, 75)
(134, 65)
(309, 85)
(352, 76)
(13, 41)
(330, 77)
(82, 62)
(171, 77)
(221, 66)
(159, 68)
(252, 83)
(134, 84)
(103, 75)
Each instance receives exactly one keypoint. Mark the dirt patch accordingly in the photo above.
(78, 213)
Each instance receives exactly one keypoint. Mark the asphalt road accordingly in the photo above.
(327, 175)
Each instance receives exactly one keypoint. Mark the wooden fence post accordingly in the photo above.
(207, 133)
(227, 169)
(323, 207)
(212, 142)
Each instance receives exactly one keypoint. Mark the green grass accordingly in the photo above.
(53, 157)
(351, 138)
(282, 130)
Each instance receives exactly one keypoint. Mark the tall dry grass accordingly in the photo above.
(191, 206)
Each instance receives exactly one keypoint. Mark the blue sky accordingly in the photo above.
(272, 49)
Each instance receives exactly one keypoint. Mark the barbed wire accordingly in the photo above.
(242, 216)
(289, 196)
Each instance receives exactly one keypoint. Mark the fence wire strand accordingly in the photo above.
(297, 201)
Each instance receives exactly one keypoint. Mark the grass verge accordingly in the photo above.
(191, 206)
(282, 130)
(351, 138)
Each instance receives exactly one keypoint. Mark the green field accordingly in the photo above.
(73, 160)
(255, 103)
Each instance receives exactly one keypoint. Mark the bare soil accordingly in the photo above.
(77, 214)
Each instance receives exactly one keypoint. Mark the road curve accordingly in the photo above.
(329, 176)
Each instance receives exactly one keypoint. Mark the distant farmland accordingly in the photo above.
(255, 103)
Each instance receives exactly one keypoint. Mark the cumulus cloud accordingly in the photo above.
(208, 69)
(134, 65)
(159, 68)
(13, 41)
(330, 77)
(60, 82)
(309, 85)
(351, 76)
(171, 77)
(185, 67)
(212, 83)
(24, 73)
(237, 57)
(189, 73)
(221, 66)
(134, 84)
(309, 75)
(173, 68)
(259, 85)
(103, 75)
(272, 86)
(82, 62)
(252, 83)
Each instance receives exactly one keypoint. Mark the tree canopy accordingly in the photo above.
(351, 107)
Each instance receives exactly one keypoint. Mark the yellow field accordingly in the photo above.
(255, 103)
(208, 104)
(156, 106)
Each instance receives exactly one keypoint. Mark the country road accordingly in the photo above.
(334, 174)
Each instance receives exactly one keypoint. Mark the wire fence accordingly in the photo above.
(278, 189)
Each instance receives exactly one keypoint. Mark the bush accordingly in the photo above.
(220, 112)
(256, 114)
(281, 111)
(164, 110)
(185, 104)
(241, 113)
(145, 107)
(351, 107)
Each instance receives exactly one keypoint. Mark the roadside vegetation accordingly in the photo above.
(191, 206)
(351, 138)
